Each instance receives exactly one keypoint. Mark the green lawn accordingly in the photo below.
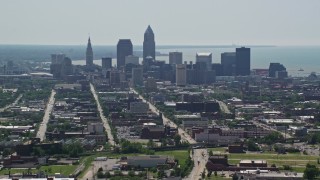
(218, 149)
(180, 155)
(63, 169)
(272, 156)
(296, 161)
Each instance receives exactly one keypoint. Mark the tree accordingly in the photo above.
(235, 177)
(38, 151)
(131, 173)
(210, 153)
(100, 174)
(73, 149)
(203, 174)
(6, 152)
(107, 174)
(252, 146)
(311, 172)
(160, 174)
(150, 143)
(177, 139)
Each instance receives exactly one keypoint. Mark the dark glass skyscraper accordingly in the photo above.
(149, 45)
(124, 48)
(243, 61)
(274, 68)
(89, 54)
(228, 62)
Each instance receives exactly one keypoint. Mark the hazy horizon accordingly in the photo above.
(188, 22)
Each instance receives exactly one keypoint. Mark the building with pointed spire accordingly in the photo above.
(149, 45)
(89, 54)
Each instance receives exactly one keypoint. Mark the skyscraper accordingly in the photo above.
(137, 76)
(206, 58)
(89, 54)
(228, 62)
(274, 68)
(175, 57)
(181, 74)
(149, 45)
(243, 61)
(106, 63)
(124, 48)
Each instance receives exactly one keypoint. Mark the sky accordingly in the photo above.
(174, 22)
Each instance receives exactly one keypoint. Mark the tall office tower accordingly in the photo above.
(243, 61)
(57, 58)
(89, 54)
(137, 76)
(114, 77)
(66, 67)
(175, 57)
(106, 63)
(56, 64)
(132, 60)
(206, 58)
(124, 48)
(149, 45)
(274, 68)
(181, 74)
(228, 62)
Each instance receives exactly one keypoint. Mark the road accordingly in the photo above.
(103, 118)
(43, 126)
(200, 158)
(95, 165)
(224, 107)
(184, 136)
(264, 126)
(12, 104)
(197, 155)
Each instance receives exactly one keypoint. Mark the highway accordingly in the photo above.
(200, 158)
(43, 126)
(199, 155)
(103, 118)
(184, 136)
(12, 104)
(224, 108)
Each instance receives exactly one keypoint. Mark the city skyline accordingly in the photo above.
(210, 23)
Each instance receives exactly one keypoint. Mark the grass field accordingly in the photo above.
(63, 169)
(296, 161)
(180, 155)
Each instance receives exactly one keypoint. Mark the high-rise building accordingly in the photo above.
(89, 54)
(243, 61)
(124, 48)
(149, 45)
(132, 60)
(106, 63)
(175, 57)
(61, 66)
(228, 62)
(151, 84)
(137, 76)
(206, 58)
(181, 74)
(274, 68)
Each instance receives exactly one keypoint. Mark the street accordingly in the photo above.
(43, 126)
(184, 136)
(200, 157)
(103, 118)
(224, 108)
(11, 105)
